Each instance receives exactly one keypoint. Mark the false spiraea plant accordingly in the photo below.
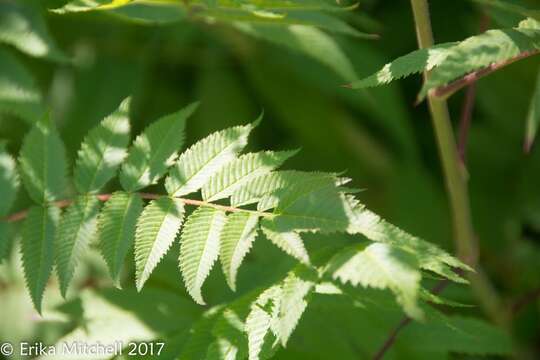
(217, 203)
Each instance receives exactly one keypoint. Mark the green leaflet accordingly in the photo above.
(264, 186)
(290, 242)
(228, 330)
(116, 224)
(22, 26)
(199, 248)
(480, 51)
(37, 248)
(381, 266)
(203, 159)
(77, 228)
(263, 313)
(43, 163)
(276, 312)
(102, 151)
(450, 61)
(19, 94)
(236, 239)
(154, 150)
(312, 206)
(413, 63)
(9, 180)
(272, 198)
(430, 256)
(240, 171)
(533, 117)
(157, 228)
(293, 303)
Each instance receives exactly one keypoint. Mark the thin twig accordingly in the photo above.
(392, 338)
(465, 122)
(437, 289)
(445, 91)
(525, 300)
(21, 215)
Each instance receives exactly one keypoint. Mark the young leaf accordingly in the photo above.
(290, 242)
(533, 118)
(413, 63)
(116, 225)
(155, 150)
(203, 159)
(37, 248)
(9, 180)
(156, 230)
(199, 248)
(76, 229)
(381, 266)
(236, 239)
(43, 163)
(240, 171)
(102, 151)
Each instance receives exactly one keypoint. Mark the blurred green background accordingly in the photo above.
(379, 136)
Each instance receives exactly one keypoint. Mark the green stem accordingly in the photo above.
(455, 182)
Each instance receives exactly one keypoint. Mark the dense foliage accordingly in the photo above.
(129, 169)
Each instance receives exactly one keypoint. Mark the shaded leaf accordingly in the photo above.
(157, 228)
(37, 249)
(102, 151)
(43, 163)
(117, 223)
(381, 266)
(77, 227)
